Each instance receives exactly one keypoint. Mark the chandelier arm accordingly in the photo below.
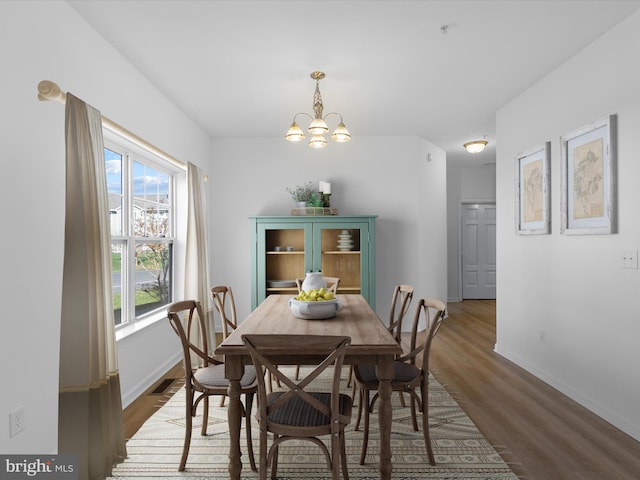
(332, 113)
(295, 117)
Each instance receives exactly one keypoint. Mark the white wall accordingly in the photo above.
(571, 288)
(464, 185)
(388, 177)
(48, 40)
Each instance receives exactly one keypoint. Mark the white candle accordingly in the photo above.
(321, 186)
(327, 188)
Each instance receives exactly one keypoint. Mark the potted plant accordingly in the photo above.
(302, 194)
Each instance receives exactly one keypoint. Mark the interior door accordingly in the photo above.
(479, 251)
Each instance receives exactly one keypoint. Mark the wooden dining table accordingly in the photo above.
(371, 343)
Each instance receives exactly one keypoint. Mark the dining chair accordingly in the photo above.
(188, 321)
(222, 296)
(301, 410)
(411, 374)
(332, 283)
(225, 304)
(400, 303)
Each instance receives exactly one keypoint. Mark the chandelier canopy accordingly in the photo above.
(318, 126)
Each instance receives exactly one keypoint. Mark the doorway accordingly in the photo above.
(478, 251)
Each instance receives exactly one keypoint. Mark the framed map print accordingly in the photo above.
(533, 191)
(588, 177)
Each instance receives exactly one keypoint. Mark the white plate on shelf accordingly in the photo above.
(281, 283)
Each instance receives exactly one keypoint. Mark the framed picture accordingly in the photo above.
(533, 193)
(588, 177)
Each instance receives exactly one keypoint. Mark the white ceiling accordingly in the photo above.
(241, 68)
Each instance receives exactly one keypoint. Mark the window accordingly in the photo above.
(141, 210)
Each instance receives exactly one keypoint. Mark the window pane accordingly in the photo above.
(150, 202)
(152, 276)
(113, 166)
(116, 275)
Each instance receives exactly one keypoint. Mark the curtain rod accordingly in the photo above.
(50, 91)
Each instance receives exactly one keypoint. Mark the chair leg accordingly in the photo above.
(297, 372)
(205, 415)
(343, 456)
(263, 454)
(247, 420)
(222, 399)
(187, 430)
(414, 418)
(357, 425)
(336, 461)
(350, 377)
(402, 404)
(274, 459)
(425, 423)
(364, 399)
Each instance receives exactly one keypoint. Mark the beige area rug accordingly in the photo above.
(461, 451)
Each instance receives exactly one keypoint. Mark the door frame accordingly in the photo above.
(461, 204)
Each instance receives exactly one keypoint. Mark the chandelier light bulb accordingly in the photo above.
(317, 141)
(318, 126)
(341, 134)
(295, 133)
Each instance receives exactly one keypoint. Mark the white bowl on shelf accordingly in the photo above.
(315, 310)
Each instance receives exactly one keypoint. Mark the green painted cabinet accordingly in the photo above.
(284, 248)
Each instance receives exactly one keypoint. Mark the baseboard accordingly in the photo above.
(141, 387)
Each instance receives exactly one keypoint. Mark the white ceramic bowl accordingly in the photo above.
(315, 310)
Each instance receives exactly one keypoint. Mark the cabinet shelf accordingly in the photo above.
(295, 252)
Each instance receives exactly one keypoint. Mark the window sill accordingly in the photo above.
(138, 326)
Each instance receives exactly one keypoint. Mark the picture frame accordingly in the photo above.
(533, 191)
(588, 177)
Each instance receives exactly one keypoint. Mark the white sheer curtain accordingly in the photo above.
(197, 260)
(90, 423)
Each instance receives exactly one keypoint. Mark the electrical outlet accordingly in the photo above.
(16, 421)
(629, 259)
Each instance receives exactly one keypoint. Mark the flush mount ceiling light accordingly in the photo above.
(318, 127)
(476, 146)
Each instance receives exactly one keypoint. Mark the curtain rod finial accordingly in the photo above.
(48, 90)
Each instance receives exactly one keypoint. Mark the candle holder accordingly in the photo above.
(326, 199)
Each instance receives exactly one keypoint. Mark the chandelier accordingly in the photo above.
(318, 127)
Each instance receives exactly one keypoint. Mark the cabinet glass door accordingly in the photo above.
(285, 250)
(343, 253)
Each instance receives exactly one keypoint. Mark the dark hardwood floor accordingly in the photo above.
(541, 433)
